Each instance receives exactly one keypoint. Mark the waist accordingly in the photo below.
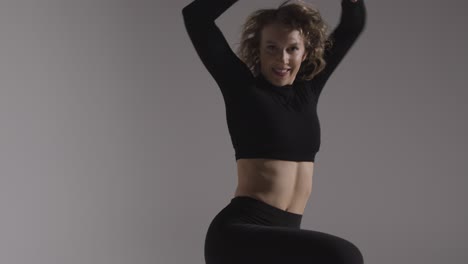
(285, 185)
(271, 175)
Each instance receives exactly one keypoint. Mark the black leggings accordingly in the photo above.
(250, 231)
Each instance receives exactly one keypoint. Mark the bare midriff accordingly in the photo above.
(283, 184)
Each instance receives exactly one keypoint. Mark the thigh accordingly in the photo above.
(250, 243)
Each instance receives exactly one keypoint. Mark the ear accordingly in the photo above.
(305, 56)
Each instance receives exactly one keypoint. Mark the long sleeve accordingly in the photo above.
(230, 73)
(350, 27)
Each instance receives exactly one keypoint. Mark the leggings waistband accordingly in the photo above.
(259, 212)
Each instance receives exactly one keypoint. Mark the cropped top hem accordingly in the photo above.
(284, 156)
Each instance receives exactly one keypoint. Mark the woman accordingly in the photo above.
(271, 92)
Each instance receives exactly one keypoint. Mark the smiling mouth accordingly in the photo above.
(281, 72)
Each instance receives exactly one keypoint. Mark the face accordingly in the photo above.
(281, 48)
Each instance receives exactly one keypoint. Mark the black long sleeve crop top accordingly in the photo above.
(264, 120)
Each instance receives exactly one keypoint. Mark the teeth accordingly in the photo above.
(281, 70)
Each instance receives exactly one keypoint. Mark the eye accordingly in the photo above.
(296, 48)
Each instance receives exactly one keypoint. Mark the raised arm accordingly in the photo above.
(350, 27)
(230, 73)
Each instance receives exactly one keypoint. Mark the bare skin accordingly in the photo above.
(286, 185)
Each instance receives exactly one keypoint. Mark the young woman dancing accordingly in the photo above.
(270, 91)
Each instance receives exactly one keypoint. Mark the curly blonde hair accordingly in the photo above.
(300, 16)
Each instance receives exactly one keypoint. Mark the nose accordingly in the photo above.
(283, 56)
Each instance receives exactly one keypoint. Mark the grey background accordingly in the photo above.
(115, 148)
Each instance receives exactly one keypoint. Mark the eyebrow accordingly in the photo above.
(270, 41)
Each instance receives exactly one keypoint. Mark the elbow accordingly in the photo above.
(359, 25)
(362, 20)
(186, 13)
(192, 18)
